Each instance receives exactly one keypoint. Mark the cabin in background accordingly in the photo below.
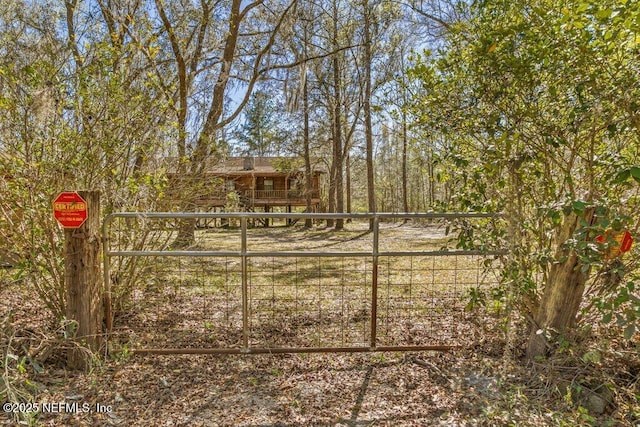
(256, 184)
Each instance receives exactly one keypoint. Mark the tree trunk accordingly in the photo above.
(432, 181)
(368, 128)
(338, 158)
(405, 196)
(348, 183)
(563, 291)
(186, 231)
(332, 192)
(186, 66)
(308, 184)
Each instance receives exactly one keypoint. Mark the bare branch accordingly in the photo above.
(429, 16)
(248, 8)
(257, 71)
(70, 6)
(306, 60)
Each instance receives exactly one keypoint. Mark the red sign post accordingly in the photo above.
(70, 209)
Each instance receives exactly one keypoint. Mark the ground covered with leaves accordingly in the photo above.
(472, 386)
(592, 379)
(476, 385)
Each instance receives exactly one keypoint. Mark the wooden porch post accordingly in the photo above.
(253, 188)
(286, 187)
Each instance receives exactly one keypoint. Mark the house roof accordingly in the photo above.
(263, 166)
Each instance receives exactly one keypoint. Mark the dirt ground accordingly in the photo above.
(484, 382)
(468, 387)
(416, 389)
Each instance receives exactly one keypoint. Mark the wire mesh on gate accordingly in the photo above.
(289, 289)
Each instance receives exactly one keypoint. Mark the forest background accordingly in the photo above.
(524, 107)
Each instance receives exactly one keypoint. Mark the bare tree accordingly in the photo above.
(188, 63)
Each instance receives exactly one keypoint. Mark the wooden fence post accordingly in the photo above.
(83, 282)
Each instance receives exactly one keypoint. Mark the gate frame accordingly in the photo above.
(244, 256)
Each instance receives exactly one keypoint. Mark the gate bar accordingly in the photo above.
(292, 350)
(290, 254)
(302, 215)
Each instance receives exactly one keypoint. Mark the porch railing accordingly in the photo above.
(276, 194)
(262, 194)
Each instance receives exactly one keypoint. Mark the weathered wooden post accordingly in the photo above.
(79, 214)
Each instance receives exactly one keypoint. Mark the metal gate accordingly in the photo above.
(243, 287)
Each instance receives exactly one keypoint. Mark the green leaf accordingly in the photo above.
(578, 206)
(552, 141)
(604, 14)
(629, 331)
(635, 173)
(555, 216)
(37, 368)
(622, 176)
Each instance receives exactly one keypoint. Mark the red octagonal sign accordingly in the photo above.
(70, 209)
